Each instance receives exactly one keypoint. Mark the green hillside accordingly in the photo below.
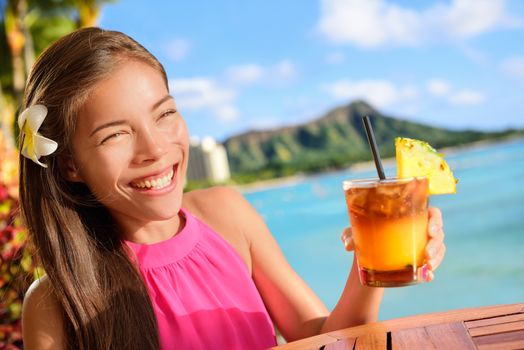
(335, 140)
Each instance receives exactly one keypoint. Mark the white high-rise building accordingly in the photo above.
(207, 161)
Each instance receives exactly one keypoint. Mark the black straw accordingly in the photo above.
(374, 148)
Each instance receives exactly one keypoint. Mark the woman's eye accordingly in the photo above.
(167, 113)
(111, 137)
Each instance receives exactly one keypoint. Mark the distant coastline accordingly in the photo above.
(363, 166)
(334, 141)
(272, 183)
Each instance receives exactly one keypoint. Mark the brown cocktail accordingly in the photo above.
(389, 221)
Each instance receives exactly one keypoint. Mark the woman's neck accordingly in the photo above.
(151, 232)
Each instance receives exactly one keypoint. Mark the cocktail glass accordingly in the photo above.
(389, 221)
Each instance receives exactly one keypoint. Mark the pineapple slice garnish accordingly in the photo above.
(418, 158)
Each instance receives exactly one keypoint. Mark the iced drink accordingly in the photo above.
(389, 222)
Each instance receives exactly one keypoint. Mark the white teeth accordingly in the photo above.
(155, 183)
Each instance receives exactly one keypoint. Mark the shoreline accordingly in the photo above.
(272, 183)
(361, 166)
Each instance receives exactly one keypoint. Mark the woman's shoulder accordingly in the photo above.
(38, 295)
(211, 195)
(216, 203)
(42, 323)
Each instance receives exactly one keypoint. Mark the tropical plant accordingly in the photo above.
(27, 27)
(18, 269)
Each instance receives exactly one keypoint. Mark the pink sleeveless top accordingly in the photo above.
(202, 292)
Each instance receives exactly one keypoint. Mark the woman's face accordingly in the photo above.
(131, 146)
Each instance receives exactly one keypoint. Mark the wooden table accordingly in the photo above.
(491, 327)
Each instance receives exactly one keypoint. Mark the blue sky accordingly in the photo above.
(240, 65)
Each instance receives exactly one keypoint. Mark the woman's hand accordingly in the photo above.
(435, 249)
(347, 239)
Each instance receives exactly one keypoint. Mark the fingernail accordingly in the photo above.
(431, 252)
(348, 241)
(424, 272)
(433, 228)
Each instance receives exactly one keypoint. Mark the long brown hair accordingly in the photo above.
(103, 297)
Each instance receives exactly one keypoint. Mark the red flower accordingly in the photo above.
(3, 193)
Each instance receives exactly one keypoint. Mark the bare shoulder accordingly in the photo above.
(219, 203)
(42, 323)
(211, 196)
(226, 211)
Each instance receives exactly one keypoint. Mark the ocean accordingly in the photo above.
(484, 227)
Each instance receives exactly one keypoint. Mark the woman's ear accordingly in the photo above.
(68, 169)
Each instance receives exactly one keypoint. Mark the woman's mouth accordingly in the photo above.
(155, 183)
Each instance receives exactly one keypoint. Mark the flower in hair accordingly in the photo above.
(34, 145)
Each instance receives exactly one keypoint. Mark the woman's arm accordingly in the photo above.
(296, 309)
(42, 324)
(293, 306)
(358, 304)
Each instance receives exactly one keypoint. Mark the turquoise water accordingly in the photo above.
(484, 226)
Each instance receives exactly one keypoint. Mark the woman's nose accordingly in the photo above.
(150, 146)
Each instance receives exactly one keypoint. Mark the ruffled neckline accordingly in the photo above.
(170, 250)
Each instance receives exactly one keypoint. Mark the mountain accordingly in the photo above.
(334, 140)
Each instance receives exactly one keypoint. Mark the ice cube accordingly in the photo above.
(356, 200)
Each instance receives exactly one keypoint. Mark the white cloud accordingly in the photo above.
(442, 89)
(438, 87)
(514, 67)
(178, 49)
(408, 93)
(200, 92)
(475, 55)
(227, 113)
(380, 93)
(335, 58)
(468, 18)
(264, 123)
(249, 74)
(375, 23)
(284, 70)
(384, 93)
(366, 23)
(219, 96)
(467, 98)
(244, 74)
(204, 93)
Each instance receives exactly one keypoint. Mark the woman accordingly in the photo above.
(132, 262)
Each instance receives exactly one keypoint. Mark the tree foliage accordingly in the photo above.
(27, 27)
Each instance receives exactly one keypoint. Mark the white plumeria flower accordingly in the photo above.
(35, 145)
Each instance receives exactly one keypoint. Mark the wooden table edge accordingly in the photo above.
(467, 314)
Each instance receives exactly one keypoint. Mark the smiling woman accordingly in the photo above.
(147, 147)
(132, 261)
